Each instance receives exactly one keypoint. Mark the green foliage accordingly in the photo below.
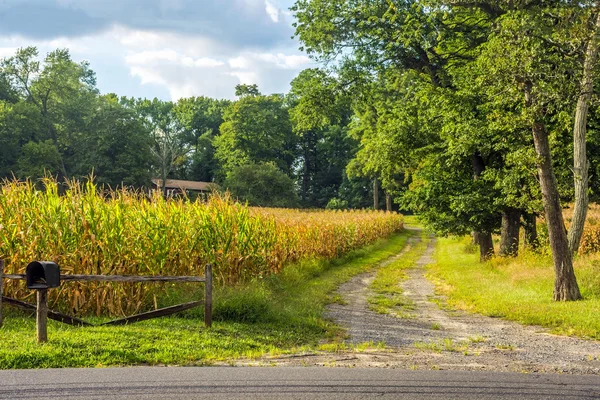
(38, 159)
(337, 204)
(117, 148)
(128, 141)
(262, 185)
(320, 114)
(200, 118)
(246, 90)
(256, 129)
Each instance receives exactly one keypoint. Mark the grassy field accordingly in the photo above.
(276, 314)
(518, 289)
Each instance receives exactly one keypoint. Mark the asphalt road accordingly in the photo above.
(289, 383)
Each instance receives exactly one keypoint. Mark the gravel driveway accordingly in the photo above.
(437, 338)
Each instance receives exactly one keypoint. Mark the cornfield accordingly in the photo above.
(88, 231)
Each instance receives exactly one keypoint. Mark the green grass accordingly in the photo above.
(276, 315)
(443, 345)
(387, 297)
(518, 289)
(411, 221)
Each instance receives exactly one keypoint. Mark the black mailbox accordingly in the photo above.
(42, 275)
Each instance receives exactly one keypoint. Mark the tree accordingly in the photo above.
(200, 119)
(521, 50)
(168, 145)
(115, 148)
(262, 185)
(54, 86)
(38, 159)
(372, 38)
(320, 114)
(522, 61)
(256, 129)
(167, 153)
(246, 90)
(20, 123)
(580, 162)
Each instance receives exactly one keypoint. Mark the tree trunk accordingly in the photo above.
(486, 245)
(530, 228)
(375, 194)
(62, 172)
(163, 187)
(483, 239)
(580, 163)
(305, 173)
(388, 202)
(509, 237)
(565, 283)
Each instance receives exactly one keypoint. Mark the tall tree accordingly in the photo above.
(256, 129)
(580, 161)
(200, 119)
(54, 87)
(320, 113)
(372, 37)
(522, 60)
(115, 147)
(168, 145)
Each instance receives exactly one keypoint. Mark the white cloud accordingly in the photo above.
(284, 61)
(169, 55)
(147, 75)
(239, 62)
(247, 77)
(272, 11)
(148, 63)
(7, 51)
(197, 66)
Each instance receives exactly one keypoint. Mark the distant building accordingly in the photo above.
(175, 187)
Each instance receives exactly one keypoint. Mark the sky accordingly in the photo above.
(164, 48)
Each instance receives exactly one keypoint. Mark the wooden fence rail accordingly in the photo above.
(116, 278)
(42, 311)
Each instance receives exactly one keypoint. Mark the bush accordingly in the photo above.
(262, 185)
(337, 204)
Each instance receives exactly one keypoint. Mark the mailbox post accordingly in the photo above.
(41, 276)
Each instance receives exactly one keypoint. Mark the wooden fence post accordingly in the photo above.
(42, 315)
(1, 289)
(208, 295)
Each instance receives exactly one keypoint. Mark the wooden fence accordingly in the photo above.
(43, 313)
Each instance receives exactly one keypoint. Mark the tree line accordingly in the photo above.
(269, 150)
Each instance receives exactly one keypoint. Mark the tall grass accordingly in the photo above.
(87, 231)
(518, 289)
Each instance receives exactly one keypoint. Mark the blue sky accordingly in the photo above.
(164, 48)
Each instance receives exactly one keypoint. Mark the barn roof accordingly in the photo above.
(185, 185)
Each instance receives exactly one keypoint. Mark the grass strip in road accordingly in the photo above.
(278, 314)
(386, 293)
(518, 289)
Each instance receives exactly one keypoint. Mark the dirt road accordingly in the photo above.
(437, 338)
